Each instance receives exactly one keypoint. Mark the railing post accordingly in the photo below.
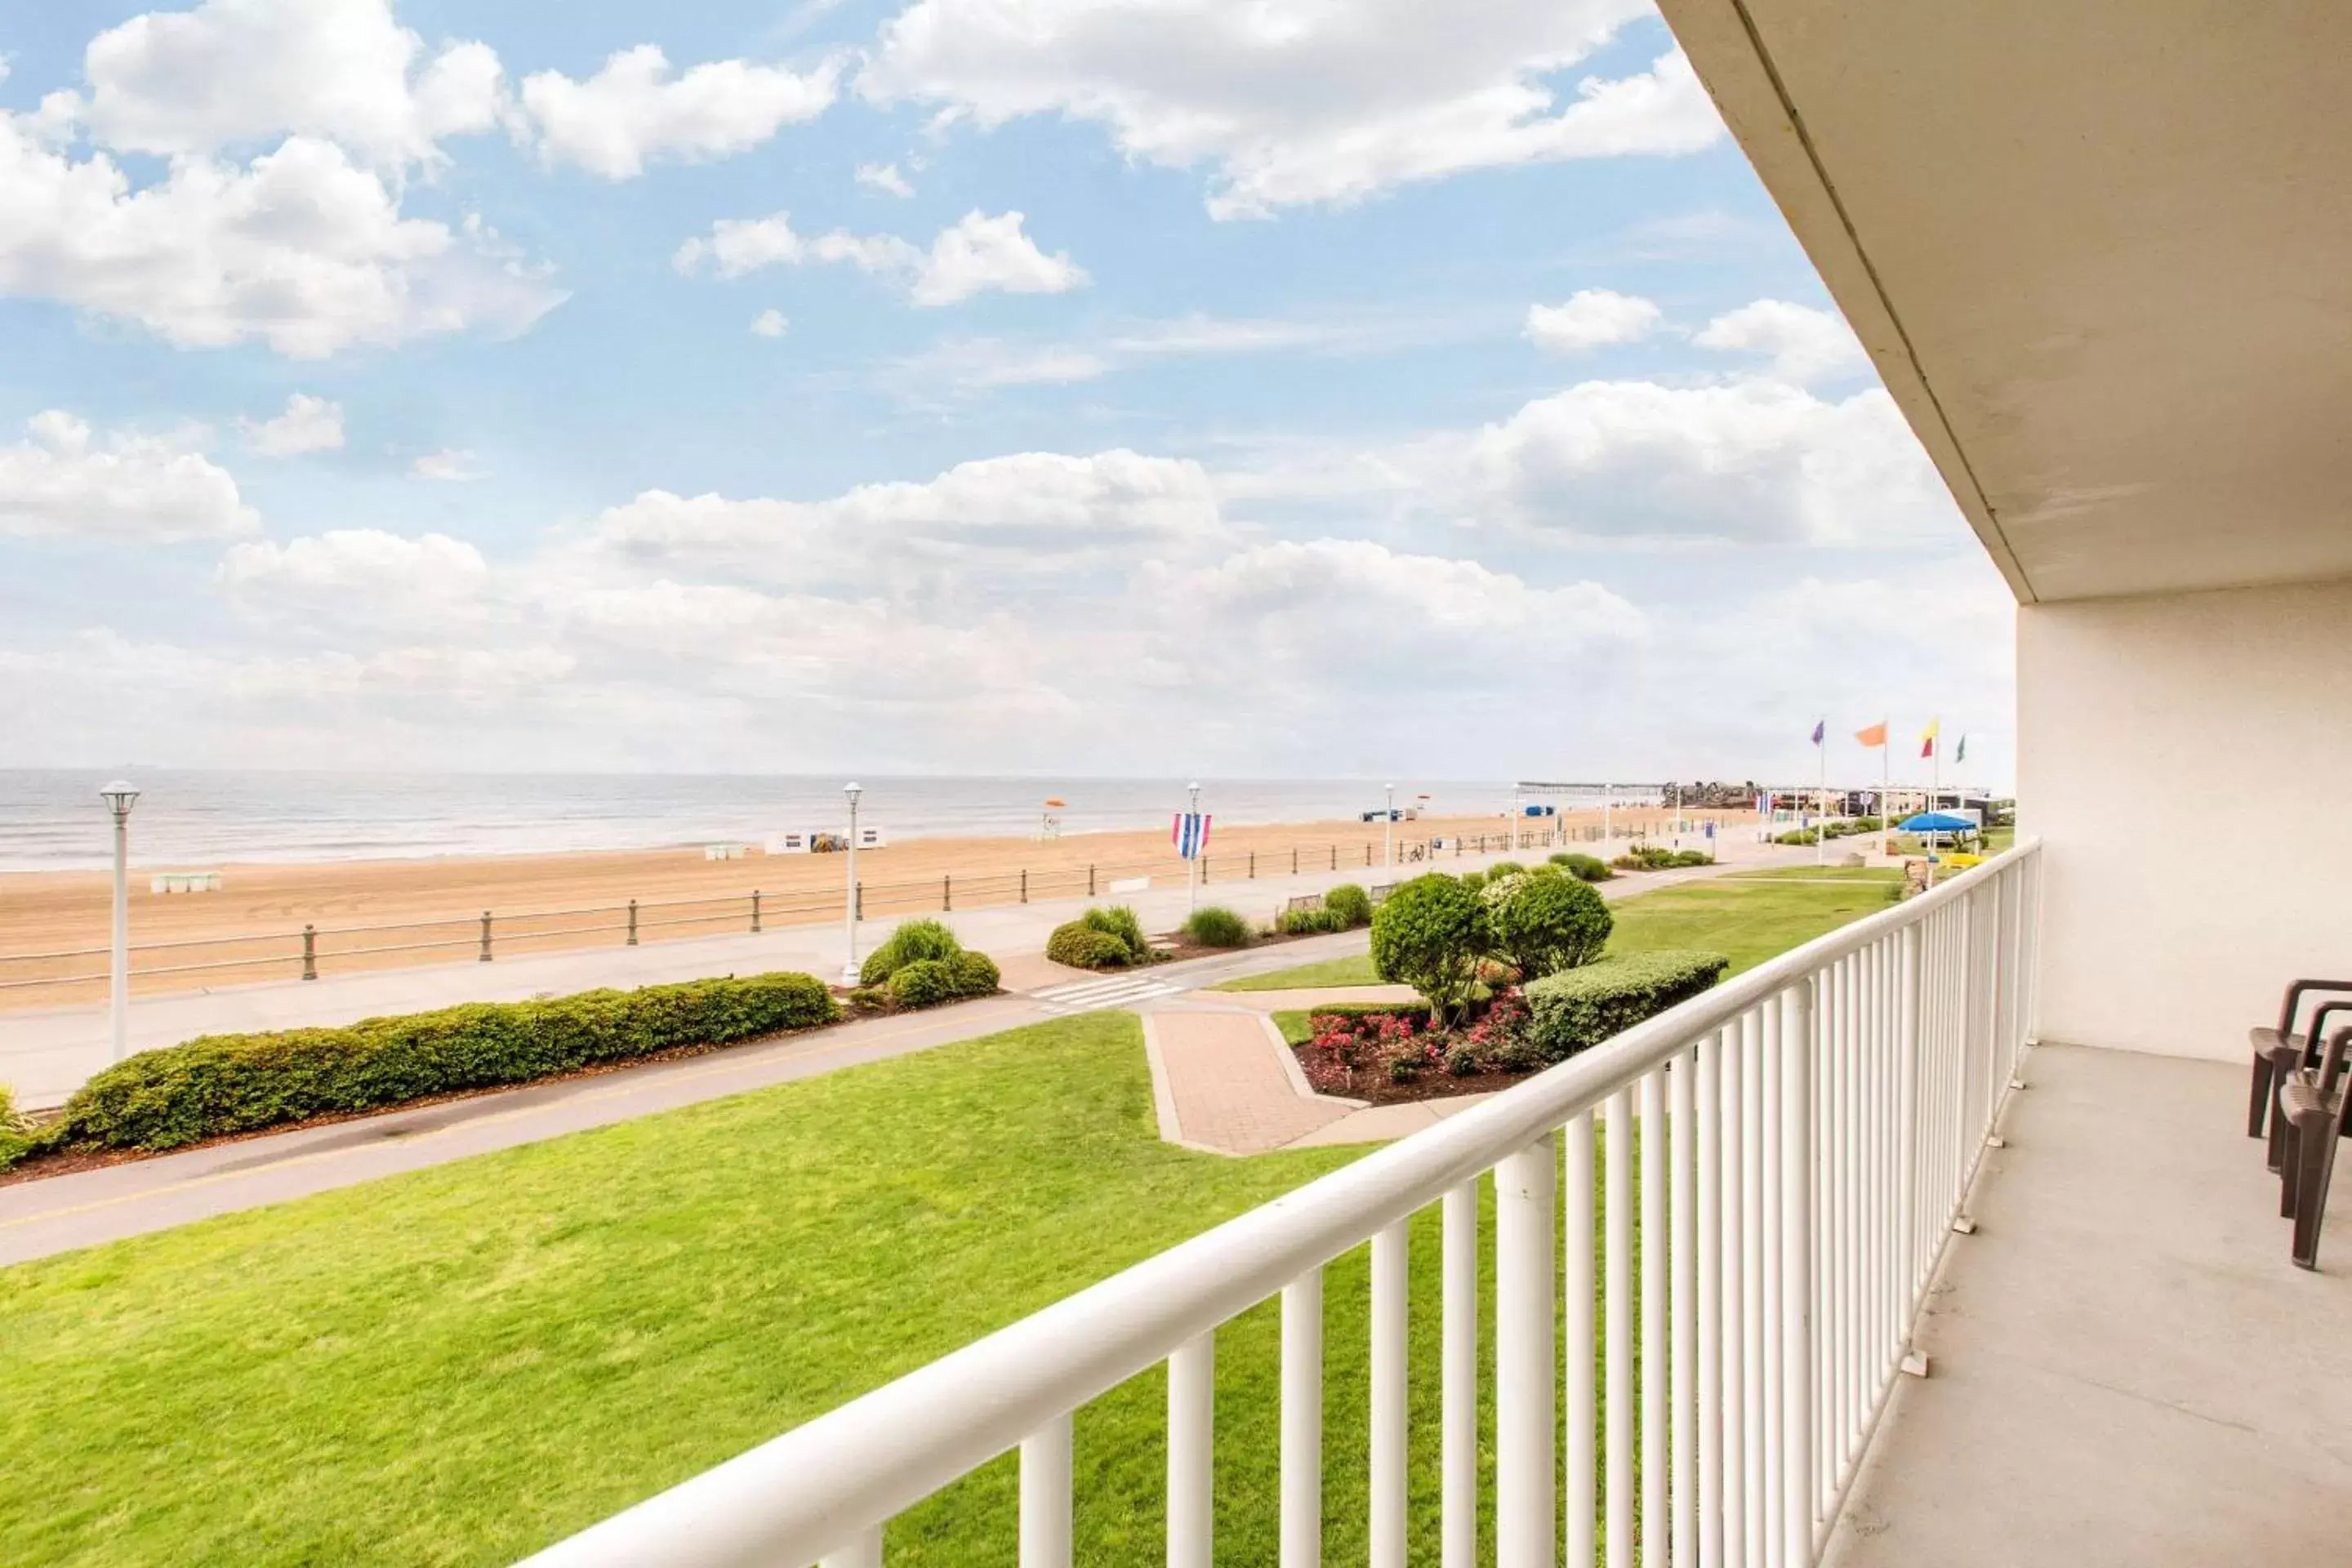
(1526, 1367)
(486, 937)
(1458, 1393)
(1713, 1407)
(1252, 865)
(1294, 860)
(857, 897)
(1192, 1415)
(1617, 1327)
(1090, 881)
(1387, 1397)
(1045, 1496)
(633, 924)
(1798, 1494)
(1024, 884)
(947, 894)
(755, 912)
(309, 952)
(1580, 1471)
(1906, 1120)
(1302, 1422)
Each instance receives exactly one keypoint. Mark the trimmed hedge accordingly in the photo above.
(223, 1084)
(1081, 946)
(1576, 1010)
(1308, 923)
(1583, 867)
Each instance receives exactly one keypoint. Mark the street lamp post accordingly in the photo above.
(1388, 830)
(1192, 869)
(849, 897)
(119, 797)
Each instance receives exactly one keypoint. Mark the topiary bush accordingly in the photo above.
(1583, 867)
(1429, 934)
(1542, 925)
(1576, 1010)
(1351, 904)
(1081, 946)
(913, 940)
(1119, 920)
(223, 1084)
(1213, 925)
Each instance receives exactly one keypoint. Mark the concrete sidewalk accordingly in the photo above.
(45, 1056)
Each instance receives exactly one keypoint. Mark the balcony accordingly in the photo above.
(1698, 1326)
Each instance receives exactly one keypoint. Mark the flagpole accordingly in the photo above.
(1885, 786)
(1821, 800)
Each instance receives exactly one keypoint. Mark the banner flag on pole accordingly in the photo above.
(1961, 753)
(1821, 728)
(1874, 736)
(1191, 833)
(1928, 740)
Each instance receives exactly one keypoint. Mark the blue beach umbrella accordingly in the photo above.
(1935, 822)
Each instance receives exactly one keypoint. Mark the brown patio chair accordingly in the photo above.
(2312, 1103)
(2275, 1050)
(2300, 1056)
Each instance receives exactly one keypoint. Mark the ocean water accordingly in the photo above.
(53, 819)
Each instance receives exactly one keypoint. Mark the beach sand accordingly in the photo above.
(252, 930)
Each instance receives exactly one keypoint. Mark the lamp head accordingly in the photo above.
(119, 797)
(853, 791)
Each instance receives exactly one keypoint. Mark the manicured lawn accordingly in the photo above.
(1819, 873)
(462, 1365)
(1751, 917)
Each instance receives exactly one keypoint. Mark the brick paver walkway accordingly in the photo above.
(1222, 1077)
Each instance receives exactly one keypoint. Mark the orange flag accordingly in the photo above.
(1874, 736)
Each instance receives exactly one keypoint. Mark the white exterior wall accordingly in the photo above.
(2175, 908)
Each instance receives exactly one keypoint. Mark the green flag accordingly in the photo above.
(1961, 753)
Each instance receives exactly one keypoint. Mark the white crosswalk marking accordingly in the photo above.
(1111, 991)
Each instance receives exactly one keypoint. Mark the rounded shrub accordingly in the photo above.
(1504, 868)
(1583, 867)
(1081, 946)
(1351, 904)
(1307, 923)
(975, 974)
(1429, 934)
(913, 940)
(1213, 925)
(1542, 925)
(925, 982)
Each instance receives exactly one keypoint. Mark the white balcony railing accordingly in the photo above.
(1817, 1124)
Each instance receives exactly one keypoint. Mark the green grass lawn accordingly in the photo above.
(461, 1365)
(1818, 873)
(1753, 917)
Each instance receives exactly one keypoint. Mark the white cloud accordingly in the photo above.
(65, 481)
(356, 574)
(240, 71)
(770, 324)
(1756, 460)
(449, 467)
(1591, 318)
(303, 249)
(634, 111)
(1805, 345)
(884, 177)
(309, 425)
(1299, 100)
(977, 254)
(981, 254)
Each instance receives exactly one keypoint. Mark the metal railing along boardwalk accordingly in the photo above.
(1808, 1132)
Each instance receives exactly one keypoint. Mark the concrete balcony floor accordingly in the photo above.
(2127, 1368)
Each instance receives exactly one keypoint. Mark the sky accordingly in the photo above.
(1312, 388)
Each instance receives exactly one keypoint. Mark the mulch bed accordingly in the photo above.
(1375, 1087)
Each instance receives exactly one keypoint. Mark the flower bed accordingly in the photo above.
(1388, 1053)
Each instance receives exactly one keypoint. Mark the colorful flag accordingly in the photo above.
(1821, 728)
(1874, 736)
(1928, 740)
(1191, 833)
(1960, 752)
